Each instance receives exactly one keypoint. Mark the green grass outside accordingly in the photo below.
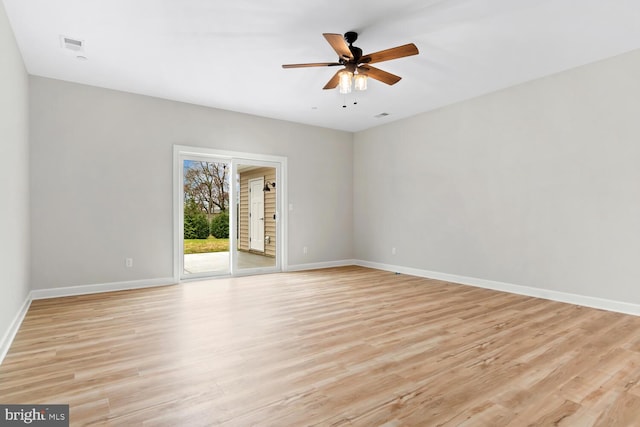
(203, 246)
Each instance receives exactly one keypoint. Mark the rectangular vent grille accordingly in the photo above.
(72, 44)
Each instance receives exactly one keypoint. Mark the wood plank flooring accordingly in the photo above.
(335, 347)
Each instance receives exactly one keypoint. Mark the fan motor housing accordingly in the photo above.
(350, 37)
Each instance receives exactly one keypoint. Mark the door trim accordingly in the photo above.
(235, 158)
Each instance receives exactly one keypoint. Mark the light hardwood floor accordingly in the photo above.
(335, 347)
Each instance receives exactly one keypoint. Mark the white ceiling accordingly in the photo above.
(228, 54)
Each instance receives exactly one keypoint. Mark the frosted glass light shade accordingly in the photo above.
(360, 82)
(345, 82)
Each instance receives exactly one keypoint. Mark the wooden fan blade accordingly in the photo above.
(380, 75)
(333, 83)
(316, 64)
(339, 45)
(388, 54)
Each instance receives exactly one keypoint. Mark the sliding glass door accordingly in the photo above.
(228, 209)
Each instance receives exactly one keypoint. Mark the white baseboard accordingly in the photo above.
(317, 265)
(98, 288)
(8, 337)
(586, 301)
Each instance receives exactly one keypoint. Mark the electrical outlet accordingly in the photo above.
(128, 262)
(305, 250)
(393, 251)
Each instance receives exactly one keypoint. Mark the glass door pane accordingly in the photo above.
(256, 246)
(205, 213)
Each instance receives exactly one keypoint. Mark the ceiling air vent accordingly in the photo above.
(72, 44)
(381, 115)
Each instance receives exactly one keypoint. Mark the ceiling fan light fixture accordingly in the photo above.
(360, 82)
(345, 82)
(351, 58)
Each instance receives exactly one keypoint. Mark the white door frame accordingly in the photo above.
(252, 220)
(235, 158)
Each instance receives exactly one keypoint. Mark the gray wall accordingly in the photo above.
(101, 168)
(14, 178)
(537, 185)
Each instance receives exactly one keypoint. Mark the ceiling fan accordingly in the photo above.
(356, 64)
